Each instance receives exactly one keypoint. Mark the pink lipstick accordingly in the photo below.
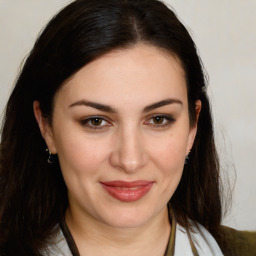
(127, 191)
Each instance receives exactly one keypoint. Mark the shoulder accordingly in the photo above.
(203, 241)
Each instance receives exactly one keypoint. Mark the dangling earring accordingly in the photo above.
(50, 159)
(187, 158)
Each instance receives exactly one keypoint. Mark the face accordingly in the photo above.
(121, 131)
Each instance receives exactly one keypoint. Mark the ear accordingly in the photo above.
(45, 128)
(193, 129)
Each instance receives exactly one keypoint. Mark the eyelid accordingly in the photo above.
(84, 122)
(169, 119)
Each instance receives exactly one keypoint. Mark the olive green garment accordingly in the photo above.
(238, 243)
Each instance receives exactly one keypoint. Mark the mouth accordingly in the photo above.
(127, 191)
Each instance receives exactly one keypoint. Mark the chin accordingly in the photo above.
(128, 219)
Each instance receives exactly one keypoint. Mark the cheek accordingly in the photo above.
(169, 154)
(168, 158)
(79, 155)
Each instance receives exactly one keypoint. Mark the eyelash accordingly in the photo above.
(167, 119)
(87, 122)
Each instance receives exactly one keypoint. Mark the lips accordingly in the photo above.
(127, 191)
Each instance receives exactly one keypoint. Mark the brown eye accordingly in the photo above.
(158, 119)
(96, 121)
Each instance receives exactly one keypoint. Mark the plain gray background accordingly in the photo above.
(225, 33)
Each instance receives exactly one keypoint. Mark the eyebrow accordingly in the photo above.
(109, 109)
(104, 108)
(161, 104)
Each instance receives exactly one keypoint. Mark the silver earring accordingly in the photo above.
(50, 159)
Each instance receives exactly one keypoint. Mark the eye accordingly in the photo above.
(160, 121)
(95, 122)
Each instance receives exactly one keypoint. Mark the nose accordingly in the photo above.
(129, 153)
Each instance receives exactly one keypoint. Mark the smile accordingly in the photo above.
(127, 191)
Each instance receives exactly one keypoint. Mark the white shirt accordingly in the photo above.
(203, 241)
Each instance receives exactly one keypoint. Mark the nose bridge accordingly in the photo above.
(129, 154)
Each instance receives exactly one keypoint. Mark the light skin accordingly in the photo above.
(121, 117)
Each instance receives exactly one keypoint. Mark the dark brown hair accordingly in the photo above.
(32, 193)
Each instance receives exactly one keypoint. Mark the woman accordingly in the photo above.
(108, 139)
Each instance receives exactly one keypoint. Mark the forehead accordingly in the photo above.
(142, 73)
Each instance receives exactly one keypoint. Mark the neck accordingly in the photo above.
(150, 238)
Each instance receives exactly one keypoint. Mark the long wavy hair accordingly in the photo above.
(33, 194)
